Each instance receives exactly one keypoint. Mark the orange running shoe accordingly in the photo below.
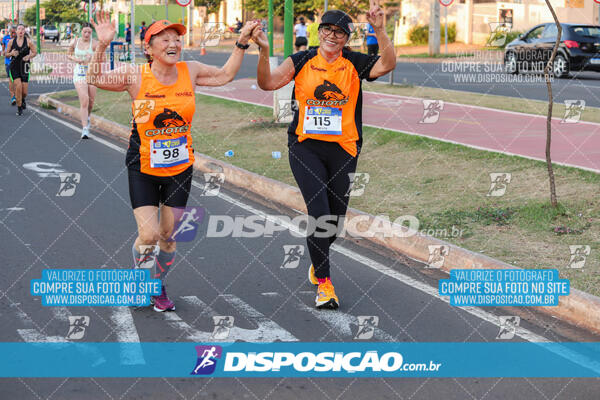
(326, 298)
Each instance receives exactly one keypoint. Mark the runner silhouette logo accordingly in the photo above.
(292, 255)
(68, 183)
(207, 359)
(77, 326)
(188, 220)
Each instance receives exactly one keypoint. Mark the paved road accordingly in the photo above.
(238, 277)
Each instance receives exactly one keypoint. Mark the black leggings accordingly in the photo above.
(321, 170)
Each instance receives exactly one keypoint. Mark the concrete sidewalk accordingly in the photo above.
(575, 144)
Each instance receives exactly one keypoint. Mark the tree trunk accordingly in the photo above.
(549, 65)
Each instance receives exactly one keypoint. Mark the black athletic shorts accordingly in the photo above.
(150, 190)
(301, 41)
(20, 70)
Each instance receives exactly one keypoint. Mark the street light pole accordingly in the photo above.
(37, 25)
(270, 28)
(288, 27)
(132, 32)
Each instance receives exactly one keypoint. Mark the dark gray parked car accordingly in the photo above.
(50, 32)
(579, 49)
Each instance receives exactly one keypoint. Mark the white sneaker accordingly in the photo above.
(84, 132)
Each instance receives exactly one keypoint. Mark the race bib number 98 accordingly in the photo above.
(168, 152)
(323, 120)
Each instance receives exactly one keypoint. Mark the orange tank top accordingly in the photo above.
(160, 143)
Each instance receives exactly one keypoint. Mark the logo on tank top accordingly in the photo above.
(328, 94)
(141, 110)
(186, 94)
(167, 123)
(154, 96)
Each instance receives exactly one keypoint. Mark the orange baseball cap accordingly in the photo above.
(159, 26)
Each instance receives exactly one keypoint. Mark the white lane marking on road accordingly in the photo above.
(193, 334)
(31, 335)
(266, 330)
(61, 313)
(86, 349)
(339, 321)
(522, 332)
(127, 333)
(93, 137)
(12, 209)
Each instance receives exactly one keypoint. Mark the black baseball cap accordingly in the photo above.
(339, 19)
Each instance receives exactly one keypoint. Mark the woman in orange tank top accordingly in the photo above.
(160, 155)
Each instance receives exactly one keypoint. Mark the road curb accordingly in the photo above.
(579, 308)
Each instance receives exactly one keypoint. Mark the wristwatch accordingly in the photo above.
(242, 46)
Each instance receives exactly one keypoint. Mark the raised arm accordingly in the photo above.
(207, 75)
(387, 62)
(280, 76)
(126, 77)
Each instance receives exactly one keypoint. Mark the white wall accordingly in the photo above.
(526, 14)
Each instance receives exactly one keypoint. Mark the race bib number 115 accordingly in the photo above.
(323, 120)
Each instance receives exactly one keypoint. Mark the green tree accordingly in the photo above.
(301, 7)
(308, 7)
(351, 7)
(212, 6)
(58, 11)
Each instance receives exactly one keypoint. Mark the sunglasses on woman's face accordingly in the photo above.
(328, 30)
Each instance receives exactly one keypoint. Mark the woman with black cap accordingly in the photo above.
(325, 136)
(160, 155)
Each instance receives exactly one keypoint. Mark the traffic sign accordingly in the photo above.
(183, 3)
(446, 3)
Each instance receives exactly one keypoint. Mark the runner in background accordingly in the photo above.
(21, 50)
(80, 52)
(128, 33)
(372, 44)
(313, 33)
(11, 33)
(325, 137)
(143, 30)
(300, 32)
(160, 156)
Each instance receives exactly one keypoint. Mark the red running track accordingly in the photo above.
(574, 144)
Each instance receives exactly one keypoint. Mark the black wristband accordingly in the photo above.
(242, 46)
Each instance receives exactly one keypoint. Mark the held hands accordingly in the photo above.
(260, 38)
(105, 28)
(246, 31)
(375, 15)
